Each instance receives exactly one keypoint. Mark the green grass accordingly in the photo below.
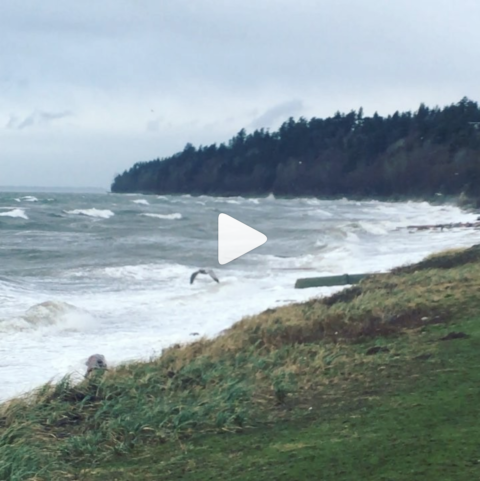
(412, 418)
(288, 394)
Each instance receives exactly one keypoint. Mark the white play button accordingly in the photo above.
(236, 238)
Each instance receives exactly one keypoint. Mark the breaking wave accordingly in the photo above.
(99, 213)
(61, 315)
(141, 201)
(27, 198)
(19, 213)
(175, 216)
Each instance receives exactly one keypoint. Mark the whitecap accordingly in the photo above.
(61, 315)
(375, 228)
(175, 216)
(352, 237)
(141, 201)
(229, 200)
(102, 214)
(310, 201)
(147, 272)
(19, 213)
(26, 198)
(320, 212)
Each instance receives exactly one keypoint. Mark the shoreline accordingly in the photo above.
(284, 367)
(188, 339)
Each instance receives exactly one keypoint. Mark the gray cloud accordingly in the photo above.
(36, 118)
(27, 122)
(153, 126)
(201, 62)
(12, 122)
(278, 113)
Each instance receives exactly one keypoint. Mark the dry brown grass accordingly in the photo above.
(378, 306)
(444, 260)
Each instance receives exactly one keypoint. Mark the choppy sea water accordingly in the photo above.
(107, 273)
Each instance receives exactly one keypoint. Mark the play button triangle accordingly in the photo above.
(236, 239)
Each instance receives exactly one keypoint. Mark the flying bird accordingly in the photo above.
(203, 271)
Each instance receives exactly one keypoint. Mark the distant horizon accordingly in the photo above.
(66, 189)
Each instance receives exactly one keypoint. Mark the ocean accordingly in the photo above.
(108, 273)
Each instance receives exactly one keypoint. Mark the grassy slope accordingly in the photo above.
(418, 420)
(289, 394)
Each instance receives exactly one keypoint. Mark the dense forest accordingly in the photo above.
(409, 154)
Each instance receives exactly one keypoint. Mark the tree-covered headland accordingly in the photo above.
(408, 154)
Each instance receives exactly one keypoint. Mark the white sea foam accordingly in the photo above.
(376, 228)
(49, 314)
(19, 213)
(99, 213)
(136, 290)
(141, 201)
(175, 216)
(318, 212)
(143, 271)
(27, 198)
(310, 201)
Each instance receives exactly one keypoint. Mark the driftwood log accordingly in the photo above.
(327, 281)
(454, 225)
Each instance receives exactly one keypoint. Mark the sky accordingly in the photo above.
(89, 88)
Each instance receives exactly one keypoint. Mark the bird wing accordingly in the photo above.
(212, 275)
(192, 277)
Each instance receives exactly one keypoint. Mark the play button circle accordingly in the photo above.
(236, 239)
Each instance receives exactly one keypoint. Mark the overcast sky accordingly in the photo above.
(88, 88)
